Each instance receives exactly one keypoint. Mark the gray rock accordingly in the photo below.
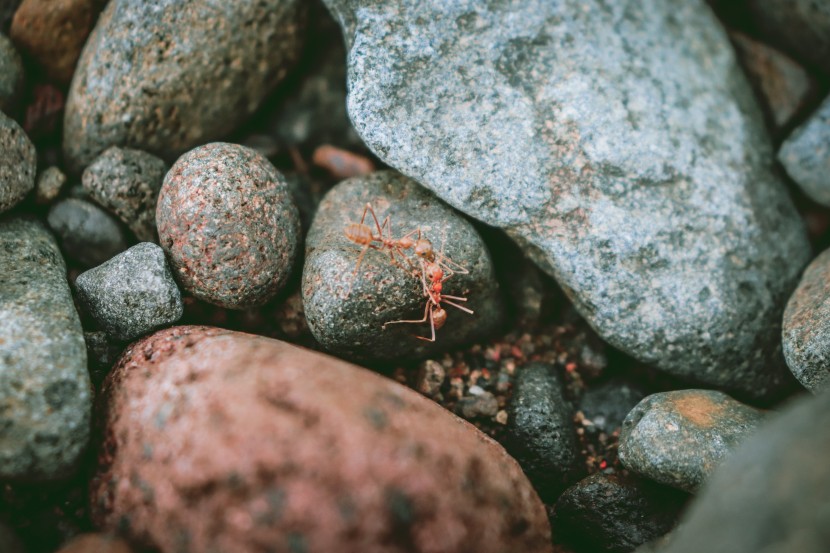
(132, 293)
(679, 438)
(806, 155)
(87, 233)
(614, 513)
(770, 496)
(541, 433)
(127, 183)
(478, 406)
(347, 312)
(45, 399)
(49, 184)
(228, 224)
(607, 405)
(11, 74)
(17, 163)
(806, 333)
(799, 26)
(102, 351)
(168, 75)
(617, 142)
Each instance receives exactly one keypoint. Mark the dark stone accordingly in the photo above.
(102, 352)
(225, 58)
(678, 438)
(228, 224)
(347, 312)
(132, 293)
(806, 155)
(614, 513)
(806, 332)
(607, 405)
(798, 26)
(617, 143)
(18, 163)
(771, 494)
(127, 183)
(45, 399)
(11, 75)
(88, 234)
(540, 431)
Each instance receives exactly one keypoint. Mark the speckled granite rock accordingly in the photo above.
(346, 311)
(228, 224)
(238, 442)
(127, 182)
(806, 333)
(614, 513)
(88, 234)
(45, 398)
(679, 438)
(772, 492)
(225, 57)
(799, 26)
(132, 293)
(53, 32)
(540, 431)
(18, 163)
(806, 155)
(49, 184)
(617, 142)
(11, 74)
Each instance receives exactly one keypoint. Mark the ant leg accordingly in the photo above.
(461, 307)
(431, 326)
(427, 312)
(367, 208)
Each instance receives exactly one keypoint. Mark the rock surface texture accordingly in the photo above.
(167, 75)
(347, 311)
(806, 155)
(45, 398)
(237, 442)
(617, 142)
(772, 491)
(679, 438)
(132, 293)
(228, 223)
(18, 163)
(806, 334)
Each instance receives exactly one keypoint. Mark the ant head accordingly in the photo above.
(423, 249)
(439, 317)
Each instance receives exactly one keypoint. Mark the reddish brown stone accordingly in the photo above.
(232, 441)
(53, 32)
(342, 164)
(96, 543)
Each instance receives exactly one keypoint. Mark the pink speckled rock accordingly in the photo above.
(221, 441)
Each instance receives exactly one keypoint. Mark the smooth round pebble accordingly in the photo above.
(347, 311)
(228, 223)
(17, 163)
(127, 182)
(614, 513)
(678, 438)
(11, 74)
(132, 293)
(540, 430)
(49, 184)
(223, 440)
(88, 234)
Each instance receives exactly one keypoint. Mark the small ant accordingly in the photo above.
(362, 234)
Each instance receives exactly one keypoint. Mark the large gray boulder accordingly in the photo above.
(617, 142)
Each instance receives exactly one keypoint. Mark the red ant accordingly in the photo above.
(362, 234)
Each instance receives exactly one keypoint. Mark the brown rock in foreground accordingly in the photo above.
(96, 543)
(237, 442)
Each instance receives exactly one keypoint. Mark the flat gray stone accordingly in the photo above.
(346, 312)
(679, 438)
(167, 75)
(806, 332)
(132, 293)
(18, 163)
(45, 398)
(806, 155)
(770, 496)
(88, 234)
(617, 142)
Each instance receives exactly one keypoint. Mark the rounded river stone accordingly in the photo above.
(228, 223)
(18, 163)
(220, 440)
(88, 234)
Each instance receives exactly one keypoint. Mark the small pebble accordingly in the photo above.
(49, 184)
(678, 438)
(483, 405)
(431, 376)
(540, 430)
(88, 234)
(806, 155)
(341, 164)
(127, 183)
(132, 293)
(17, 163)
(228, 223)
(607, 405)
(11, 75)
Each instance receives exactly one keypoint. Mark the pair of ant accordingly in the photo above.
(434, 268)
